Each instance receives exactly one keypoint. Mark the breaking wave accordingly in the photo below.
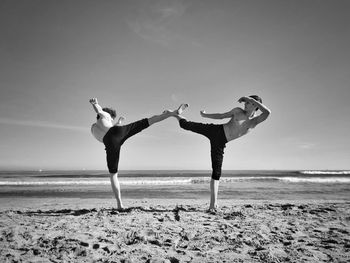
(179, 180)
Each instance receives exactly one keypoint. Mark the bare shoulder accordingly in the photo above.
(105, 115)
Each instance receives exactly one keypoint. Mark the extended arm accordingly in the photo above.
(96, 106)
(219, 116)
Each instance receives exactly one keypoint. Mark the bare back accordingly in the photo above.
(102, 125)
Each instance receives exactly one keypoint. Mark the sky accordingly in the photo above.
(142, 57)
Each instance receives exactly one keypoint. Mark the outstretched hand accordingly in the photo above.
(93, 101)
(202, 113)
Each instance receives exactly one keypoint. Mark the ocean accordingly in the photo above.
(235, 185)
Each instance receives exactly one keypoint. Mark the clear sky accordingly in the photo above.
(142, 57)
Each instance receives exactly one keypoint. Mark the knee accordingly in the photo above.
(113, 170)
(112, 164)
(216, 175)
(216, 169)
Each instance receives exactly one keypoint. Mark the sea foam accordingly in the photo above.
(313, 172)
(178, 180)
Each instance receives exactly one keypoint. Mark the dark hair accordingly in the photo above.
(111, 112)
(257, 98)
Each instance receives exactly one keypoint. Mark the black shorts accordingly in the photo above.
(114, 139)
(216, 135)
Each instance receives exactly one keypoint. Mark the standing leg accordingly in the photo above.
(217, 156)
(113, 144)
(214, 189)
(215, 134)
(116, 189)
(112, 163)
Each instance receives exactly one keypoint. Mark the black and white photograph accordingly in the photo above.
(174, 131)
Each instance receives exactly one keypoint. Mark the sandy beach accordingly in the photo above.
(78, 230)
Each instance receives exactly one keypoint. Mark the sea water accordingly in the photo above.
(235, 185)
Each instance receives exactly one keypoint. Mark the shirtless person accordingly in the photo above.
(240, 123)
(113, 137)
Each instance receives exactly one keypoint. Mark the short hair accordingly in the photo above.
(257, 98)
(111, 112)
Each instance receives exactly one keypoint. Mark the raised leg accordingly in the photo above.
(181, 108)
(112, 156)
(166, 114)
(196, 127)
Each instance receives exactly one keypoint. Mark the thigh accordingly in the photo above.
(197, 127)
(134, 128)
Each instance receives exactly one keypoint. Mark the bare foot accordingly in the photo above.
(121, 207)
(213, 207)
(212, 211)
(176, 113)
(181, 108)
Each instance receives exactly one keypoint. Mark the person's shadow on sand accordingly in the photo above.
(112, 211)
(109, 211)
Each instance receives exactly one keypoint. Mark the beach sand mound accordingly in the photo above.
(169, 234)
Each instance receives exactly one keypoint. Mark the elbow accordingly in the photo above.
(266, 111)
(266, 114)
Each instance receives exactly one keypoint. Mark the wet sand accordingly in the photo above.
(91, 230)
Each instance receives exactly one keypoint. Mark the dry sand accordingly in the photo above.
(77, 230)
